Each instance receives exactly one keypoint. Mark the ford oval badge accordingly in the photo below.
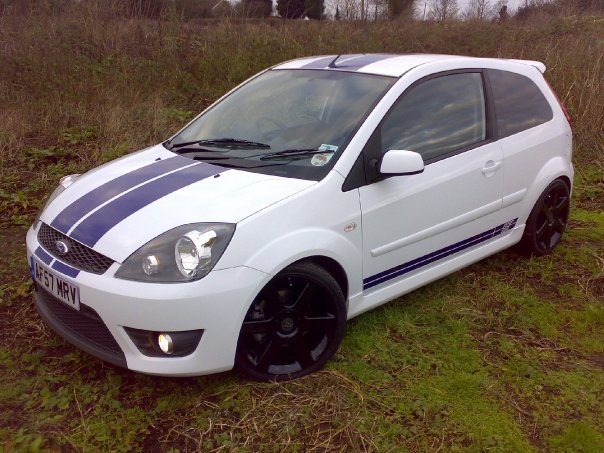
(62, 247)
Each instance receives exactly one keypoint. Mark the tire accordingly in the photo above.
(294, 325)
(547, 221)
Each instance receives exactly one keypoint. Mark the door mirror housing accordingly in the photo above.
(399, 162)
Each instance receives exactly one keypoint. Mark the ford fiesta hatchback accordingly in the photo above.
(316, 190)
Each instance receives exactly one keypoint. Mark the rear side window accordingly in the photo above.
(437, 117)
(519, 103)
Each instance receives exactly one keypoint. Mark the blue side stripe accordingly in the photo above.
(65, 269)
(69, 216)
(430, 257)
(45, 257)
(94, 227)
(424, 260)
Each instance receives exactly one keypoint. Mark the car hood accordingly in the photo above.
(118, 207)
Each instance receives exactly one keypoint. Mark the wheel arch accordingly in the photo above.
(256, 356)
(331, 251)
(541, 240)
(334, 268)
(555, 168)
(566, 181)
(337, 252)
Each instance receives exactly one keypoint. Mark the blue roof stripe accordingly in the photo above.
(347, 62)
(94, 227)
(65, 269)
(361, 61)
(318, 64)
(69, 216)
(424, 260)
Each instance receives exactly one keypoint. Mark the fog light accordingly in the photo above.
(151, 265)
(167, 345)
(164, 341)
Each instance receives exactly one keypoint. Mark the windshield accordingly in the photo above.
(292, 123)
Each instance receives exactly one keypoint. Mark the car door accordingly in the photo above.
(412, 222)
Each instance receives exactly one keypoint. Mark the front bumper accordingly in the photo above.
(215, 304)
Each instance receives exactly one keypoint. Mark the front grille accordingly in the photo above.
(79, 256)
(84, 328)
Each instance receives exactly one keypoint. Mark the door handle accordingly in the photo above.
(490, 167)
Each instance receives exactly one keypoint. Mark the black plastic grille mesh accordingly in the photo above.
(79, 256)
(86, 324)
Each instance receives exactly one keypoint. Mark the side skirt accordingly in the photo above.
(389, 290)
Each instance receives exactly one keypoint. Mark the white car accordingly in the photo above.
(316, 190)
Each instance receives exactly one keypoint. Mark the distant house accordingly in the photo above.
(223, 8)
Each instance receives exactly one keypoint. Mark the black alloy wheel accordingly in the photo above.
(547, 221)
(294, 325)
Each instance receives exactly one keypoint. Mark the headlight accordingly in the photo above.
(182, 254)
(64, 183)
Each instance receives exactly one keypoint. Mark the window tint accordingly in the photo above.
(437, 117)
(519, 103)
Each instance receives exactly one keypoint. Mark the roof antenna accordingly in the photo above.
(333, 63)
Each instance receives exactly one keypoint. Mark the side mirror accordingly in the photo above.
(397, 163)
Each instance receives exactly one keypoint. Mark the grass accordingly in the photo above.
(505, 355)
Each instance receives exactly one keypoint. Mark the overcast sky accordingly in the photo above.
(512, 4)
(419, 5)
(463, 4)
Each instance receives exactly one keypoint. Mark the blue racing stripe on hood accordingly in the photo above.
(94, 227)
(69, 216)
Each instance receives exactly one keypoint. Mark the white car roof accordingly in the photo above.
(384, 64)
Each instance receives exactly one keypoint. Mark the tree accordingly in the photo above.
(314, 9)
(503, 12)
(398, 8)
(478, 10)
(346, 9)
(369, 9)
(442, 10)
(290, 9)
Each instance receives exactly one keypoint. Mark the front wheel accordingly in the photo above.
(547, 221)
(294, 325)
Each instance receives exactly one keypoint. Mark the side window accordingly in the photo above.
(437, 117)
(519, 103)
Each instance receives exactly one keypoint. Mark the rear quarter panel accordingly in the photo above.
(535, 157)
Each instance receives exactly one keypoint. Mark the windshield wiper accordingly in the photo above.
(226, 142)
(203, 156)
(293, 153)
(234, 162)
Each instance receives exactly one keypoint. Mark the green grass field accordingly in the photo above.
(505, 355)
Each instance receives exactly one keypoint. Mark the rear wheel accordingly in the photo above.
(547, 221)
(293, 326)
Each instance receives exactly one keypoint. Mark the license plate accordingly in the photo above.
(64, 291)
